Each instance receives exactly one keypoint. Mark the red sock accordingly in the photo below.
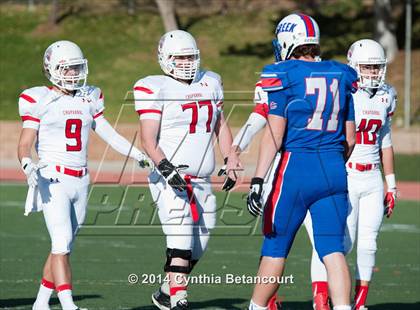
(47, 284)
(361, 296)
(64, 287)
(174, 290)
(272, 303)
(319, 287)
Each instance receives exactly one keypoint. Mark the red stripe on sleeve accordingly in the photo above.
(390, 113)
(30, 118)
(143, 89)
(140, 112)
(261, 109)
(98, 114)
(27, 98)
(271, 82)
(101, 96)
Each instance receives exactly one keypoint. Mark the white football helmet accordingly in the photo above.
(368, 52)
(292, 31)
(178, 43)
(65, 66)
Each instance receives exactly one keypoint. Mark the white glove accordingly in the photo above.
(31, 170)
(144, 161)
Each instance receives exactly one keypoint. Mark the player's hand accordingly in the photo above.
(229, 183)
(31, 170)
(253, 201)
(145, 162)
(389, 201)
(231, 164)
(171, 174)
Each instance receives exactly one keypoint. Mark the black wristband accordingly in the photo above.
(259, 181)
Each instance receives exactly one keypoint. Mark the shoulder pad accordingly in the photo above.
(149, 85)
(33, 95)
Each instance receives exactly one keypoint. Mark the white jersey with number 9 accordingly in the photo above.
(62, 121)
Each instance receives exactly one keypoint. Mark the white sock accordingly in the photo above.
(254, 306)
(43, 297)
(165, 287)
(342, 307)
(66, 300)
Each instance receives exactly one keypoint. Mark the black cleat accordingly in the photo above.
(161, 300)
(181, 305)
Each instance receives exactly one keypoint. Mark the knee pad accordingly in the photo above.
(60, 245)
(367, 245)
(177, 253)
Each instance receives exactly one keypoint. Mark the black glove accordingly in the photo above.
(171, 174)
(229, 183)
(253, 200)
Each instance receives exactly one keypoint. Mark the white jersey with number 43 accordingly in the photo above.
(187, 113)
(373, 123)
(62, 121)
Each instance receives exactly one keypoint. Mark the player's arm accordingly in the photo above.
(26, 141)
(28, 111)
(107, 133)
(387, 157)
(350, 133)
(350, 126)
(253, 125)
(224, 138)
(270, 144)
(255, 122)
(149, 129)
(149, 138)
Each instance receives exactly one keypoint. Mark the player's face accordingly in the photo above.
(181, 60)
(370, 69)
(73, 70)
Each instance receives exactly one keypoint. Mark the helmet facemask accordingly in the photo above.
(371, 75)
(181, 66)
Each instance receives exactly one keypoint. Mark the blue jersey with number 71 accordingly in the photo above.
(315, 98)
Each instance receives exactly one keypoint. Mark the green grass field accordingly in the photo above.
(118, 241)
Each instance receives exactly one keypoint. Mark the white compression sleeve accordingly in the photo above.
(254, 124)
(114, 139)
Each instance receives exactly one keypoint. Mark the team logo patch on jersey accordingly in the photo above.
(273, 105)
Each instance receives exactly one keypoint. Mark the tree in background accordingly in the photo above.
(385, 28)
(168, 14)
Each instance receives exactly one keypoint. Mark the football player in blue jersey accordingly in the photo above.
(311, 121)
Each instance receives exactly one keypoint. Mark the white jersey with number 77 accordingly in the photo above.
(188, 114)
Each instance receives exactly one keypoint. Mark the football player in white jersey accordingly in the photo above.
(374, 104)
(59, 118)
(180, 113)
